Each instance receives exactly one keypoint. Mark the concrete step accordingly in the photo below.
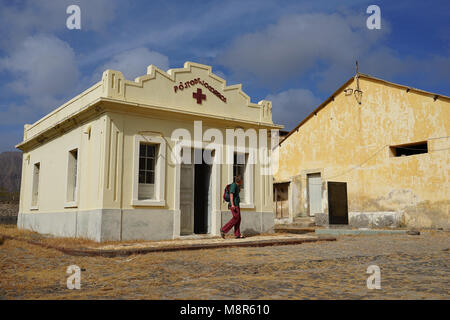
(362, 231)
(300, 225)
(303, 222)
(142, 247)
(293, 229)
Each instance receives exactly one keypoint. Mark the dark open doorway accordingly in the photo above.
(202, 197)
(337, 203)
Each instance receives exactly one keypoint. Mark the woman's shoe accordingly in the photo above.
(240, 237)
(222, 234)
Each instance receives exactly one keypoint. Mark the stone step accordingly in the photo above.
(303, 222)
(143, 247)
(293, 229)
(362, 231)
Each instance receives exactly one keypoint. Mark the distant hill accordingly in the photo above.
(10, 174)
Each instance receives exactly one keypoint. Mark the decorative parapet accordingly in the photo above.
(232, 103)
(113, 84)
(266, 110)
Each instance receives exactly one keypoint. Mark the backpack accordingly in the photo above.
(226, 193)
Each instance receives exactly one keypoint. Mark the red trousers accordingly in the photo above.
(234, 222)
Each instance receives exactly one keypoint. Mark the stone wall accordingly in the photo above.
(8, 213)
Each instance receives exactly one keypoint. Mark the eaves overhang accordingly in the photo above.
(62, 126)
(102, 105)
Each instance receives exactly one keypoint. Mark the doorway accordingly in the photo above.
(281, 200)
(314, 193)
(202, 198)
(195, 198)
(337, 203)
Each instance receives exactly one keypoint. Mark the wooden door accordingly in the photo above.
(187, 199)
(314, 193)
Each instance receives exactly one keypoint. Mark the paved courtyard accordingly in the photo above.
(412, 267)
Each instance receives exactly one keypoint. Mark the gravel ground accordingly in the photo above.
(412, 267)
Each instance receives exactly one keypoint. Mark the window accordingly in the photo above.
(147, 165)
(149, 171)
(242, 166)
(409, 149)
(239, 165)
(35, 190)
(72, 174)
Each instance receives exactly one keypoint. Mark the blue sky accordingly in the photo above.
(295, 53)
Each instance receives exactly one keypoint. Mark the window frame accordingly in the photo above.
(72, 203)
(159, 174)
(146, 158)
(249, 181)
(394, 149)
(35, 205)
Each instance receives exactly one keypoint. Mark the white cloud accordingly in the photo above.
(297, 44)
(46, 16)
(134, 63)
(324, 47)
(43, 73)
(291, 106)
(42, 65)
(190, 28)
(14, 114)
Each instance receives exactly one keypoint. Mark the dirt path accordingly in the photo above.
(412, 267)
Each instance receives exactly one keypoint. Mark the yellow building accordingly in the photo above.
(105, 165)
(374, 154)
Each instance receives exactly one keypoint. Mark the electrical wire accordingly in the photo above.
(373, 155)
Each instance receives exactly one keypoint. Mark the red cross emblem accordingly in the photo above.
(199, 96)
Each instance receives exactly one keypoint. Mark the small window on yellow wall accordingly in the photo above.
(72, 173)
(409, 149)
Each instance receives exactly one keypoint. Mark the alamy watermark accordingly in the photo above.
(74, 280)
(374, 280)
(374, 21)
(74, 20)
(211, 147)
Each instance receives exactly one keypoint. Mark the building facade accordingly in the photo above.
(374, 154)
(106, 164)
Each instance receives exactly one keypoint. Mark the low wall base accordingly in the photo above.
(120, 225)
(102, 224)
(252, 223)
(385, 219)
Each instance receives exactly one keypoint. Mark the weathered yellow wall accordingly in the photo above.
(350, 142)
